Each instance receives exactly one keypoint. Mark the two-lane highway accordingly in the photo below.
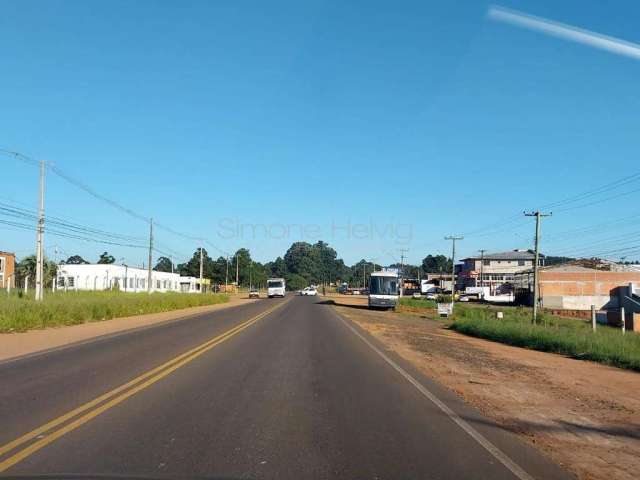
(275, 389)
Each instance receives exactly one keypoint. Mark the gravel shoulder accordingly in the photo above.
(583, 415)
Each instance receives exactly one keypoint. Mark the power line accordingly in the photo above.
(94, 193)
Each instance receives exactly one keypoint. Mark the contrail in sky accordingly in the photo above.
(562, 30)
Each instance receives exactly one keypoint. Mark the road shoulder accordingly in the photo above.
(23, 344)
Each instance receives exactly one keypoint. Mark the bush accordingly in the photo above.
(22, 312)
(551, 334)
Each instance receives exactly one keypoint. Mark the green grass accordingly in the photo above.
(570, 337)
(418, 303)
(19, 313)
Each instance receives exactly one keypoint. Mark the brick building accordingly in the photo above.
(573, 287)
(7, 269)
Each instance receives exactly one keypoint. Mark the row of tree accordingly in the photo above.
(302, 264)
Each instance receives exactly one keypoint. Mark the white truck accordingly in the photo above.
(276, 287)
(383, 289)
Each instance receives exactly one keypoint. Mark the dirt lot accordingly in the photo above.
(585, 416)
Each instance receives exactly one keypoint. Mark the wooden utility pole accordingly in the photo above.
(538, 215)
(453, 239)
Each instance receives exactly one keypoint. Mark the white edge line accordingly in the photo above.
(498, 454)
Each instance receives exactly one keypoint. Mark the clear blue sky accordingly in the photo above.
(402, 119)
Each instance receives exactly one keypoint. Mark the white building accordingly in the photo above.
(100, 276)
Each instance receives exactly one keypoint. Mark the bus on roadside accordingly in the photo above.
(383, 289)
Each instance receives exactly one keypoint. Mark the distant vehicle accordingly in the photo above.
(253, 293)
(426, 287)
(311, 291)
(383, 289)
(416, 295)
(276, 287)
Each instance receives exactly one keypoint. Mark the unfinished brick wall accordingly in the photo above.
(579, 290)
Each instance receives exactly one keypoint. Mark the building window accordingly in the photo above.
(486, 263)
(1, 264)
(71, 281)
(131, 283)
(157, 283)
(521, 263)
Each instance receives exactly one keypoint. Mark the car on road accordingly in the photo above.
(311, 291)
(253, 293)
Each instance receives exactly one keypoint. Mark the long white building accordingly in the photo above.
(98, 276)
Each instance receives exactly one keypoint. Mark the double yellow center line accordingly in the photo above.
(56, 428)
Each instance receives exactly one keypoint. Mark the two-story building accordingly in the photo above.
(495, 270)
(7, 269)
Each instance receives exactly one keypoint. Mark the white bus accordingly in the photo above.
(383, 289)
(276, 287)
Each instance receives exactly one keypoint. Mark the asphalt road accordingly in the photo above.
(296, 393)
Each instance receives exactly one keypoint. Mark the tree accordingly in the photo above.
(27, 267)
(192, 267)
(76, 260)
(295, 281)
(277, 268)
(164, 264)
(436, 264)
(105, 258)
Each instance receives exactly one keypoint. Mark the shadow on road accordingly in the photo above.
(519, 426)
(338, 304)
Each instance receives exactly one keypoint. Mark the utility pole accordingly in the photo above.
(201, 286)
(402, 252)
(538, 216)
(171, 260)
(482, 273)
(237, 270)
(226, 276)
(39, 234)
(364, 274)
(453, 239)
(150, 255)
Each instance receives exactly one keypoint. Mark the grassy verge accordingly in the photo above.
(18, 314)
(416, 305)
(551, 334)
